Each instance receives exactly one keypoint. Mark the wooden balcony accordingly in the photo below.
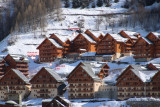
(43, 92)
(23, 69)
(84, 86)
(11, 93)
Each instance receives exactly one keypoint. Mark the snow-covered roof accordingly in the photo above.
(20, 74)
(55, 43)
(131, 34)
(148, 41)
(145, 76)
(88, 68)
(157, 66)
(88, 38)
(119, 38)
(97, 33)
(95, 66)
(54, 74)
(156, 34)
(89, 54)
(19, 58)
(143, 72)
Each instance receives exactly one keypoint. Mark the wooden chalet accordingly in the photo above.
(83, 43)
(13, 84)
(155, 39)
(49, 50)
(83, 82)
(143, 50)
(95, 35)
(16, 61)
(114, 44)
(45, 84)
(137, 81)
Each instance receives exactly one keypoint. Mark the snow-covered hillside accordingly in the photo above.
(28, 41)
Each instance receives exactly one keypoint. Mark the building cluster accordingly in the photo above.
(86, 80)
(104, 47)
(90, 41)
(15, 81)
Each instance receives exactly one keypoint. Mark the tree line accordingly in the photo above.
(26, 15)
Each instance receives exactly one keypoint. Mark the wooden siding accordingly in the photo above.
(48, 52)
(142, 49)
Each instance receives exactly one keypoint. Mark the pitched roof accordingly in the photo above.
(55, 43)
(54, 74)
(156, 34)
(119, 38)
(157, 66)
(19, 58)
(142, 72)
(21, 75)
(87, 67)
(88, 38)
(131, 34)
(97, 33)
(145, 76)
(95, 66)
(148, 41)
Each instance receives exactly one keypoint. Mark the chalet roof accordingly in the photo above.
(55, 43)
(88, 68)
(95, 66)
(139, 67)
(157, 66)
(119, 38)
(88, 38)
(131, 34)
(97, 33)
(148, 41)
(156, 34)
(54, 74)
(19, 58)
(145, 76)
(21, 75)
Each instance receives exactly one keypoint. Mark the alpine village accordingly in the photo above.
(73, 53)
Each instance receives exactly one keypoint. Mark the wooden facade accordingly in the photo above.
(143, 49)
(131, 84)
(83, 43)
(81, 83)
(1, 67)
(104, 71)
(155, 39)
(67, 48)
(14, 83)
(45, 84)
(49, 50)
(15, 61)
